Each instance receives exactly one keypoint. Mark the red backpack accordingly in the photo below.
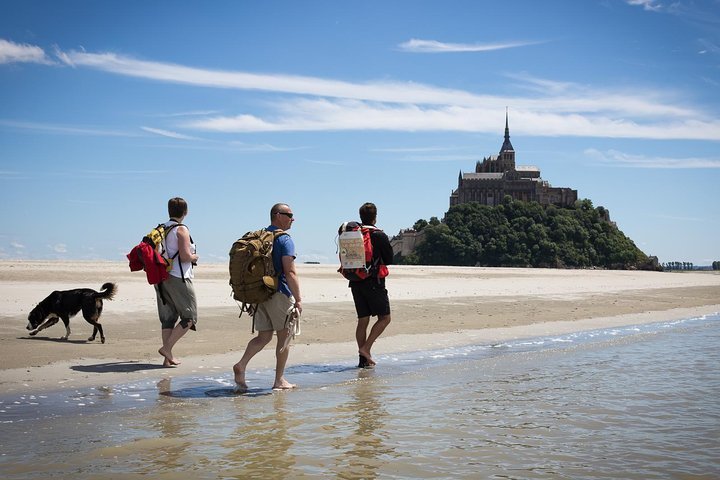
(148, 255)
(356, 253)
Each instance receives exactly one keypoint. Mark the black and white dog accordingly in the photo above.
(61, 305)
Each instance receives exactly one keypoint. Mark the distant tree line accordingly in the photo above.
(525, 234)
(716, 265)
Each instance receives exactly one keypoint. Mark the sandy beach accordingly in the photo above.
(432, 307)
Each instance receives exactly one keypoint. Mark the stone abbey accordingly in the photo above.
(497, 176)
(494, 178)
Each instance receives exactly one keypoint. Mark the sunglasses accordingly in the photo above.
(289, 215)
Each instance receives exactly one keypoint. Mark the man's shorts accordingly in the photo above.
(371, 298)
(272, 314)
(180, 303)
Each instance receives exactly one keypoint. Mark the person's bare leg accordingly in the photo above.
(254, 346)
(281, 361)
(170, 338)
(165, 336)
(377, 329)
(361, 331)
(360, 337)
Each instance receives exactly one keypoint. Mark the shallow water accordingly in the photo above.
(636, 402)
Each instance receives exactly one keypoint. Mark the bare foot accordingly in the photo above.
(169, 360)
(284, 385)
(240, 385)
(366, 354)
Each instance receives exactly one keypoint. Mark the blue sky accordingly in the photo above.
(107, 109)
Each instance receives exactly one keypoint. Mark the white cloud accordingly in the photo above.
(260, 147)
(413, 149)
(59, 248)
(337, 115)
(65, 129)
(168, 133)
(621, 159)
(11, 52)
(416, 45)
(649, 5)
(549, 108)
(186, 114)
(378, 91)
(681, 219)
(17, 246)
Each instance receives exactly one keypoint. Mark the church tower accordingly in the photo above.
(507, 152)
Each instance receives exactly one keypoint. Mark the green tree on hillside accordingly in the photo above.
(526, 234)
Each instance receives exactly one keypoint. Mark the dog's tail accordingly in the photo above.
(108, 291)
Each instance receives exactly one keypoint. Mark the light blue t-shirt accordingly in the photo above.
(284, 246)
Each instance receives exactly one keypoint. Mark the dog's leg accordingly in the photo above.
(47, 323)
(66, 321)
(91, 313)
(97, 327)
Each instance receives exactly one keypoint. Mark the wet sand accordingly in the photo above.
(432, 307)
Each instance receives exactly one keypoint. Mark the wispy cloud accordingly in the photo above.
(649, 5)
(58, 248)
(438, 158)
(261, 147)
(540, 119)
(168, 133)
(681, 219)
(11, 52)
(194, 113)
(397, 92)
(65, 129)
(413, 149)
(416, 45)
(621, 159)
(542, 107)
(328, 162)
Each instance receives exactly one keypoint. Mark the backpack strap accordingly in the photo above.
(182, 273)
(375, 261)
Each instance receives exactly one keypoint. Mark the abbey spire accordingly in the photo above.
(506, 146)
(507, 152)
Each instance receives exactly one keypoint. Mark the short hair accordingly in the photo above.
(368, 213)
(276, 208)
(177, 207)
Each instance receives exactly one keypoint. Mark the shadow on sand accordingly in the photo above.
(58, 339)
(117, 367)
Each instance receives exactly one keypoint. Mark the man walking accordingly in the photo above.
(370, 295)
(271, 316)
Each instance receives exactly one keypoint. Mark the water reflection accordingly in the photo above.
(175, 421)
(261, 441)
(366, 449)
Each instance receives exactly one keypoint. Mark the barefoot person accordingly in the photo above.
(176, 295)
(271, 316)
(370, 295)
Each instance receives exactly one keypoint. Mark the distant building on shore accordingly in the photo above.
(494, 178)
(497, 176)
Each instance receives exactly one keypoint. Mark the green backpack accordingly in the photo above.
(252, 275)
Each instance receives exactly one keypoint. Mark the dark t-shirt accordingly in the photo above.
(381, 247)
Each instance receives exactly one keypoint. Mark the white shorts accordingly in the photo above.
(272, 314)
